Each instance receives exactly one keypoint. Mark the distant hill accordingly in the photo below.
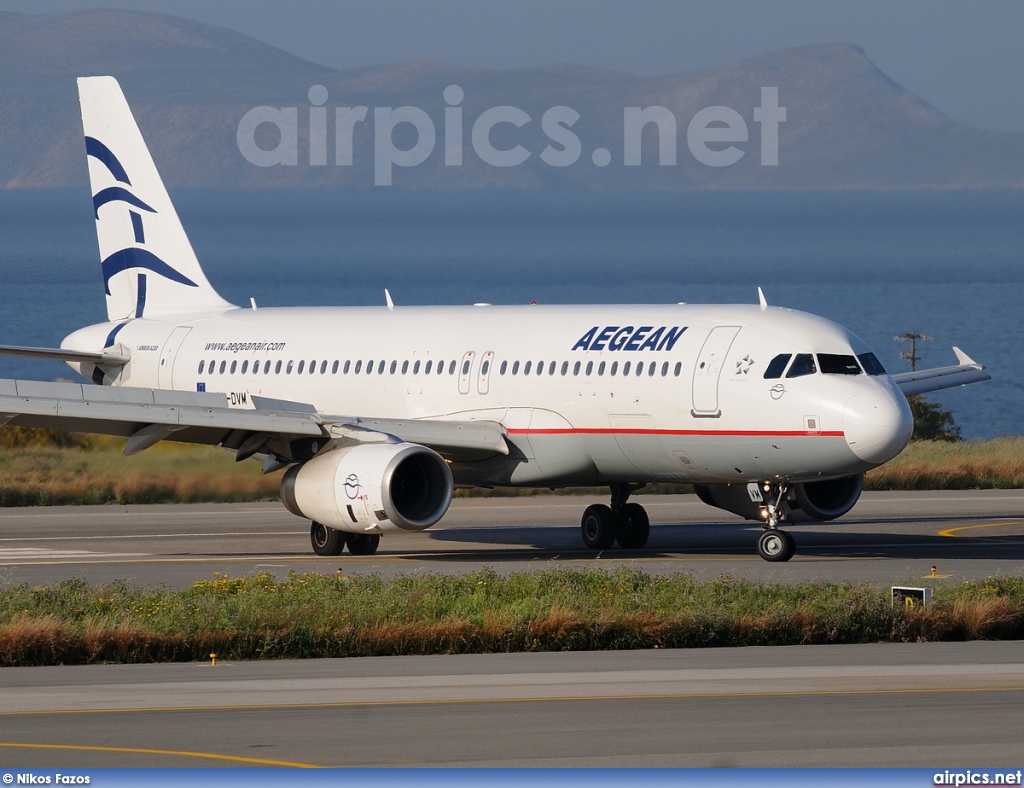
(848, 125)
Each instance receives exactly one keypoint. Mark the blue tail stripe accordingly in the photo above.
(140, 234)
(139, 258)
(99, 151)
(140, 300)
(113, 334)
(117, 194)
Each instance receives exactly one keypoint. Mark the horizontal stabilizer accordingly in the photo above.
(110, 357)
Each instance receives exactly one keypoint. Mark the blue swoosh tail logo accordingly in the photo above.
(117, 194)
(103, 154)
(140, 258)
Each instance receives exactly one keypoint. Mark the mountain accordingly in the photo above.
(848, 126)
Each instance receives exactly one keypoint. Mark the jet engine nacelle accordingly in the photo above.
(370, 488)
(807, 501)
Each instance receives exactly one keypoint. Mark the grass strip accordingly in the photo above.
(177, 473)
(314, 616)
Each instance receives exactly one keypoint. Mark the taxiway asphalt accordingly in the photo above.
(888, 538)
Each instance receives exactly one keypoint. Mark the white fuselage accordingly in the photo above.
(587, 394)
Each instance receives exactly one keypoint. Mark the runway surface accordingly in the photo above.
(923, 705)
(888, 538)
(927, 705)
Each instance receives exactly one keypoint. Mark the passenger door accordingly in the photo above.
(708, 370)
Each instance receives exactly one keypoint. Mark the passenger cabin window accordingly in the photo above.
(871, 364)
(803, 364)
(835, 364)
(777, 366)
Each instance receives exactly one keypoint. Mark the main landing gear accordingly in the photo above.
(775, 545)
(327, 541)
(622, 522)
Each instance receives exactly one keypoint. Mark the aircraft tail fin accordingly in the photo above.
(149, 267)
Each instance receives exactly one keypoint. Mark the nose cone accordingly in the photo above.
(878, 424)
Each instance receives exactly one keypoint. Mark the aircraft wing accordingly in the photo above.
(148, 416)
(923, 381)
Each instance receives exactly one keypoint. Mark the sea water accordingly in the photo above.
(949, 265)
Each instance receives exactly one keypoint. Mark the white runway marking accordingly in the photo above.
(35, 555)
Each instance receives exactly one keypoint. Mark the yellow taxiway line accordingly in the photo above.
(144, 751)
(952, 532)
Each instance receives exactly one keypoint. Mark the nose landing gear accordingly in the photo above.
(775, 545)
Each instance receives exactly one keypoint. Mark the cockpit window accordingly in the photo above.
(803, 364)
(871, 364)
(835, 364)
(777, 366)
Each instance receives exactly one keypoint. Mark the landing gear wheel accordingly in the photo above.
(362, 544)
(598, 527)
(634, 527)
(326, 541)
(775, 545)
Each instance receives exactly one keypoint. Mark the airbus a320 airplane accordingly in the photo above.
(378, 413)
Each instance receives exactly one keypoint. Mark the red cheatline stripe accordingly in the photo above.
(696, 433)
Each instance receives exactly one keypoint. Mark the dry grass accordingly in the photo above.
(33, 475)
(969, 465)
(167, 473)
(313, 616)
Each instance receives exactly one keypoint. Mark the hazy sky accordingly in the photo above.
(963, 57)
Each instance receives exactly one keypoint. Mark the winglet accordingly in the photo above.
(387, 297)
(762, 299)
(963, 358)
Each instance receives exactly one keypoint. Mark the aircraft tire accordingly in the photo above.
(634, 527)
(326, 541)
(775, 546)
(362, 544)
(598, 527)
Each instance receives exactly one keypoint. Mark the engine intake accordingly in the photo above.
(371, 488)
(808, 501)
